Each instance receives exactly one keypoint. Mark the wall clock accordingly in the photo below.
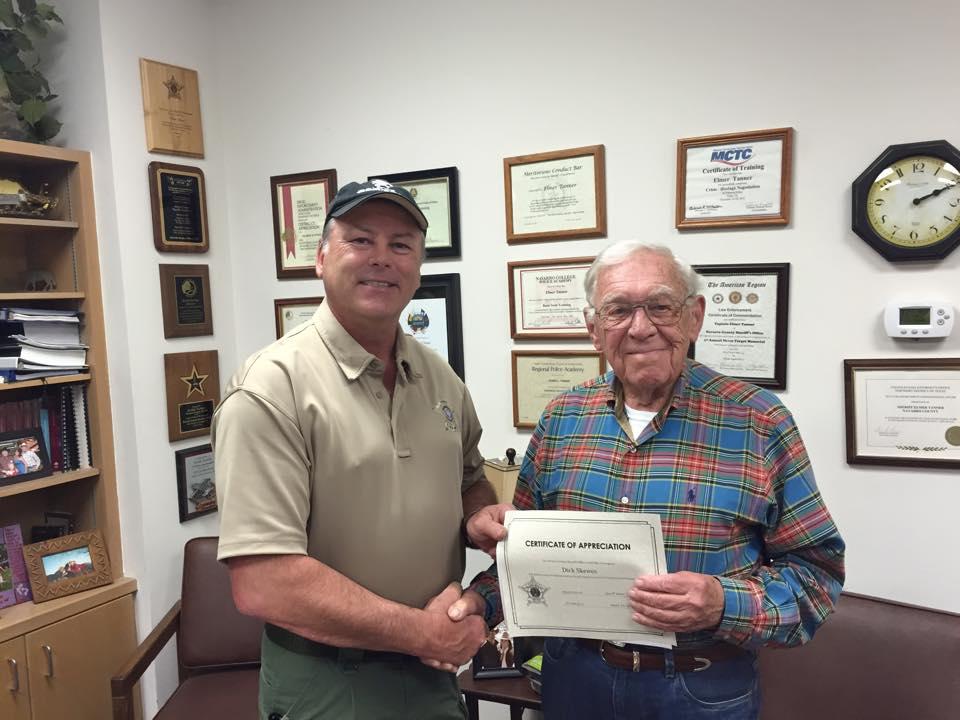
(906, 204)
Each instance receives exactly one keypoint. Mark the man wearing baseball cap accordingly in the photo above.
(347, 458)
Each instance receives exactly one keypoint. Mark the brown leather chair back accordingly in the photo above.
(213, 635)
(874, 659)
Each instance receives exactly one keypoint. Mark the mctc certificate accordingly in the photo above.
(566, 574)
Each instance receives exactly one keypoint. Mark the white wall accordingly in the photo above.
(378, 87)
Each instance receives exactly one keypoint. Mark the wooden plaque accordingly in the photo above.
(193, 392)
(178, 202)
(185, 299)
(171, 108)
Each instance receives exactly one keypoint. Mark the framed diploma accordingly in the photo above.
(171, 108)
(744, 333)
(903, 412)
(196, 491)
(433, 317)
(178, 201)
(555, 195)
(290, 312)
(436, 192)
(541, 375)
(734, 180)
(185, 299)
(192, 382)
(547, 298)
(300, 202)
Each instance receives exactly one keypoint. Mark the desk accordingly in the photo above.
(513, 691)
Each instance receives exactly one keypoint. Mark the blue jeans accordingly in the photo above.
(579, 685)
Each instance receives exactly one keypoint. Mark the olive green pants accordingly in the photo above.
(294, 686)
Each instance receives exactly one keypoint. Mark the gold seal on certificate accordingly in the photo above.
(547, 298)
(541, 375)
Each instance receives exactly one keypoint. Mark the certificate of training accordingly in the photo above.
(566, 574)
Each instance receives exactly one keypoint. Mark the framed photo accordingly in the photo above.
(436, 192)
(555, 195)
(498, 657)
(23, 456)
(547, 298)
(185, 299)
(903, 412)
(300, 203)
(433, 317)
(171, 108)
(734, 180)
(66, 565)
(178, 201)
(192, 382)
(195, 487)
(290, 312)
(541, 375)
(744, 332)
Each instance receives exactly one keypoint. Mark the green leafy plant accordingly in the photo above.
(24, 91)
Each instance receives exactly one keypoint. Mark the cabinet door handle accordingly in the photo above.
(14, 675)
(48, 651)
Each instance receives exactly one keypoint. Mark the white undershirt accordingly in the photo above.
(639, 419)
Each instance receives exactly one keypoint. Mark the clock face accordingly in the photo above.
(914, 202)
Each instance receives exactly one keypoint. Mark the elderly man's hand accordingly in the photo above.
(466, 637)
(485, 527)
(677, 602)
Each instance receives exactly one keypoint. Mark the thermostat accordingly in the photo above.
(918, 320)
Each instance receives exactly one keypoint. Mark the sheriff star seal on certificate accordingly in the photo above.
(536, 593)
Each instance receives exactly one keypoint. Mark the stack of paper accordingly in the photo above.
(40, 342)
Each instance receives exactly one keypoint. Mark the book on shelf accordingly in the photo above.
(61, 414)
(14, 582)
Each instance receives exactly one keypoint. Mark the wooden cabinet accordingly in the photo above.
(15, 693)
(62, 246)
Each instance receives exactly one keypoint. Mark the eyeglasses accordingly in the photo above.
(659, 312)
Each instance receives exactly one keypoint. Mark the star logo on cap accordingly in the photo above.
(195, 382)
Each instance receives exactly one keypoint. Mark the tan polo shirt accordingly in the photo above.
(313, 457)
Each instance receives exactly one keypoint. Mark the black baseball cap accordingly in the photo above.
(353, 194)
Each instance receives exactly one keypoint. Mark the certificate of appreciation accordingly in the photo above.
(566, 574)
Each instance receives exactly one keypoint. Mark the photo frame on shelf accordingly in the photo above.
(734, 180)
(744, 333)
(500, 655)
(433, 317)
(192, 381)
(196, 491)
(438, 195)
(23, 456)
(555, 195)
(547, 298)
(290, 312)
(903, 412)
(300, 202)
(66, 565)
(171, 108)
(178, 204)
(185, 300)
(541, 375)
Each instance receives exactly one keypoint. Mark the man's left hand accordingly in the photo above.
(677, 602)
(485, 527)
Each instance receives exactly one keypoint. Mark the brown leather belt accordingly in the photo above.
(693, 660)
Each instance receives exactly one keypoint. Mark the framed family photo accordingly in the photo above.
(23, 456)
(300, 202)
(66, 565)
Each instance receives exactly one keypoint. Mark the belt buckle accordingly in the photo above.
(706, 663)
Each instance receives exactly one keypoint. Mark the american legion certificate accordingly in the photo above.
(566, 573)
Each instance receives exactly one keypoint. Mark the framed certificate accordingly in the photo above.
(734, 180)
(436, 192)
(178, 201)
(433, 317)
(171, 108)
(547, 298)
(744, 332)
(192, 381)
(300, 203)
(196, 491)
(541, 375)
(903, 412)
(290, 312)
(185, 299)
(555, 195)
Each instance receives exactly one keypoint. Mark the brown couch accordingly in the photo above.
(873, 660)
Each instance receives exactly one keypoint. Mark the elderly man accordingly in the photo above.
(346, 458)
(753, 556)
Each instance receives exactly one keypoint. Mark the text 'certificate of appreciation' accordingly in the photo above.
(566, 574)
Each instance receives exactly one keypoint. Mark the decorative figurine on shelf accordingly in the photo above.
(511, 454)
(15, 199)
(39, 281)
